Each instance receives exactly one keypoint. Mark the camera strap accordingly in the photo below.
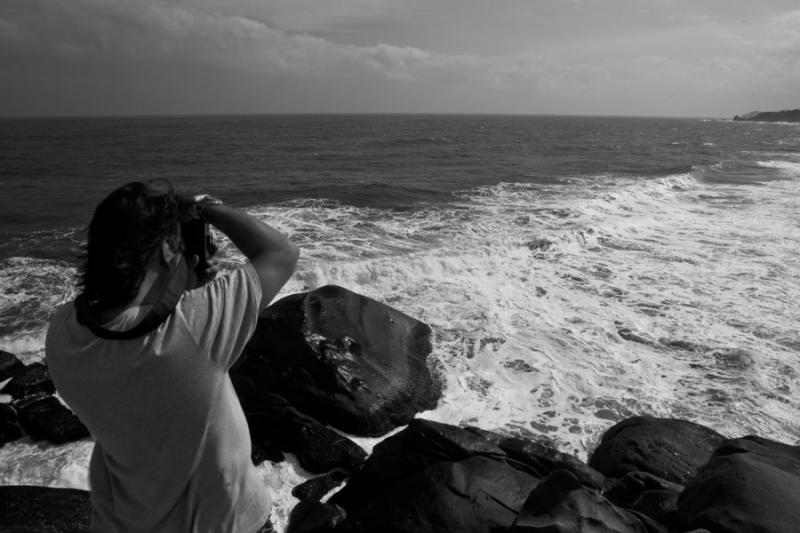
(159, 312)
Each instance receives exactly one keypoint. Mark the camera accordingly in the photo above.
(197, 241)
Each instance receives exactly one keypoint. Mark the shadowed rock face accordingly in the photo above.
(751, 484)
(30, 380)
(669, 448)
(275, 426)
(560, 504)
(9, 365)
(345, 359)
(42, 416)
(433, 477)
(43, 510)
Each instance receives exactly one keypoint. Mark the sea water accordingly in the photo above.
(574, 270)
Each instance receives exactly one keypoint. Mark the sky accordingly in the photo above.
(693, 58)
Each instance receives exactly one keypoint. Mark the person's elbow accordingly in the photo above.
(285, 259)
(275, 268)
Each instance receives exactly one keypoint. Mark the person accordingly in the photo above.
(172, 447)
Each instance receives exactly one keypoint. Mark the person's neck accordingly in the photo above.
(156, 279)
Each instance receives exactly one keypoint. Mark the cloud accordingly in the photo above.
(150, 31)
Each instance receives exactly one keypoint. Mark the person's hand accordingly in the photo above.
(191, 208)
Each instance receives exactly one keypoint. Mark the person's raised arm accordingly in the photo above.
(272, 254)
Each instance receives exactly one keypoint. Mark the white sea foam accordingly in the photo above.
(559, 310)
(788, 168)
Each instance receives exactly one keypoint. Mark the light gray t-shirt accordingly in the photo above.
(172, 446)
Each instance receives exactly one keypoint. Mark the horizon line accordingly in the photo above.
(343, 113)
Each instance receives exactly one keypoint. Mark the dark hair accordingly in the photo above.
(127, 227)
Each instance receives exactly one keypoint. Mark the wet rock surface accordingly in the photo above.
(347, 360)
(276, 427)
(10, 365)
(669, 448)
(434, 477)
(750, 484)
(43, 417)
(29, 380)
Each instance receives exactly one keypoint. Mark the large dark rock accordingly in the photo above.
(751, 484)
(315, 488)
(345, 359)
(275, 426)
(42, 416)
(9, 424)
(561, 504)
(9, 365)
(646, 494)
(542, 460)
(30, 380)
(310, 516)
(669, 448)
(43, 510)
(434, 477)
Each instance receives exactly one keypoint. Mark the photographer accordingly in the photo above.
(142, 357)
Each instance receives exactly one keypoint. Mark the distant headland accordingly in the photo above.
(791, 115)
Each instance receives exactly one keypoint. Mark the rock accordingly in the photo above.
(275, 426)
(9, 427)
(9, 365)
(669, 448)
(750, 484)
(792, 115)
(29, 380)
(646, 494)
(348, 361)
(43, 510)
(316, 488)
(544, 460)
(560, 504)
(434, 477)
(310, 516)
(420, 445)
(42, 416)
(474, 495)
(265, 451)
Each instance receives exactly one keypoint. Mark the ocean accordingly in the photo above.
(575, 270)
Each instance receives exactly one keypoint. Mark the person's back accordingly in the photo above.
(172, 446)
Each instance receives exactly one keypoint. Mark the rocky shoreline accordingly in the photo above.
(788, 115)
(334, 361)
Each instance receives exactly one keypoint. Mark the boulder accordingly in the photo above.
(9, 424)
(315, 488)
(44, 510)
(347, 360)
(561, 504)
(43, 417)
(477, 494)
(434, 477)
(32, 379)
(275, 426)
(543, 460)
(311, 516)
(9, 365)
(668, 448)
(750, 484)
(646, 494)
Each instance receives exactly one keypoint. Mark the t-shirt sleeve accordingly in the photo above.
(222, 315)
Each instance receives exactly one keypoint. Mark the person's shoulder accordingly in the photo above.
(63, 314)
(58, 330)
